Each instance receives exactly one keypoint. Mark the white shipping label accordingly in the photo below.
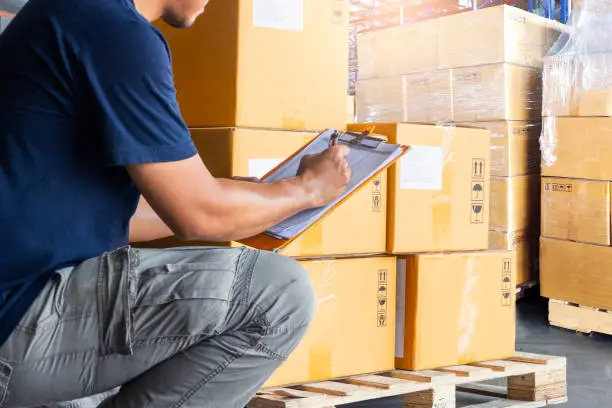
(279, 14)
(260, 167)
(400, 315)
(421, 168)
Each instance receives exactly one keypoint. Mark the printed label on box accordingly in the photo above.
(279, 14)
(421, 168)
(260, 167)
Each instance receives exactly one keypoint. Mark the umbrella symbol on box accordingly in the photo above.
(477, 191)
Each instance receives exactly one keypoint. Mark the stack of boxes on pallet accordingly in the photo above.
(257, 80)
(480, 69)
(577, 172)
(255, 83)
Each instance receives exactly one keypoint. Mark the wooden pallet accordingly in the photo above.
(579, 318)
(533, 381)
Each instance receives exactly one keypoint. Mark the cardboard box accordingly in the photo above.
(455, 308)
(439, 191)
(357, 226)
(497, 92)
(515, 202)
(355, 312)
(428, 97)
(576, 210)
(399, 50)
(576, 272)
(265, 64)
(515, 147)
(421, 97)
(578, 148)
(526, 245)
(493, 35)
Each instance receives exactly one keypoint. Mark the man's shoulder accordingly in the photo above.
(84, 21)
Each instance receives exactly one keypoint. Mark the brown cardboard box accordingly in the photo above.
(515, 147)
(455, 308)
(399, 50)
(515, 202)
(429, 97)
(355, 312)
(578, 148)
(421, 97)
(526, 245)
(576, 210)
(576, 272)
(493, 35)
(496, 92)
(263, 64)
(439, 191)
(357, 226)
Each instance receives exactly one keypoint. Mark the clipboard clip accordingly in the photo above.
(363, 139)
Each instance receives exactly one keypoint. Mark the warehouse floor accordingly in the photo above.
(589, 358)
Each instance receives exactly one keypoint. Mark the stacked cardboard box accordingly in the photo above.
(481, 69)
(577, 171)
(576, 207)
(450, 287)
(257, 80)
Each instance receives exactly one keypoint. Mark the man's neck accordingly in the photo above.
(149, 9)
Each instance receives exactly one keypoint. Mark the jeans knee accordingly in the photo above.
(284, 291)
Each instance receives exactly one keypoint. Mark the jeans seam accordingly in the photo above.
(213, 374)
(276, 356)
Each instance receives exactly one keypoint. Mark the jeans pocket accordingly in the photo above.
(5, 376)
(184, 299)
(116, 292)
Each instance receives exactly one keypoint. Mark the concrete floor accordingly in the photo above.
(589, 358)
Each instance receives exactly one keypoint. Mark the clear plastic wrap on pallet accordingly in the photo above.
(493, 56)
(490, 92)
(419, 97)
(496, 92)
(492, 35)
(578, 72)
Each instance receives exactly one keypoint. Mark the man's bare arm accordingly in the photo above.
(196, 206)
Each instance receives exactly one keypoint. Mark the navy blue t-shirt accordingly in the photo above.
(86, 88)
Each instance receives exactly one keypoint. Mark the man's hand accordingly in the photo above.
(326, 174)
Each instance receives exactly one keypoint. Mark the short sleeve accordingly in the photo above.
(131, 98)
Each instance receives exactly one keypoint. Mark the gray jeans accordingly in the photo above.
(188, 327)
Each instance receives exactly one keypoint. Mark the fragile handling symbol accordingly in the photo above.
(477, 213)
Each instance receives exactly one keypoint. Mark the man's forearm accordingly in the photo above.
(251, 208)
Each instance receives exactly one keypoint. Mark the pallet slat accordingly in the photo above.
(530, 377)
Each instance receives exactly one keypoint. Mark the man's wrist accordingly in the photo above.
(305, 189)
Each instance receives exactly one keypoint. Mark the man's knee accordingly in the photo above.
(284, 291)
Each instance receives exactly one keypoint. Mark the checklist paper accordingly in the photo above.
(367, 157)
